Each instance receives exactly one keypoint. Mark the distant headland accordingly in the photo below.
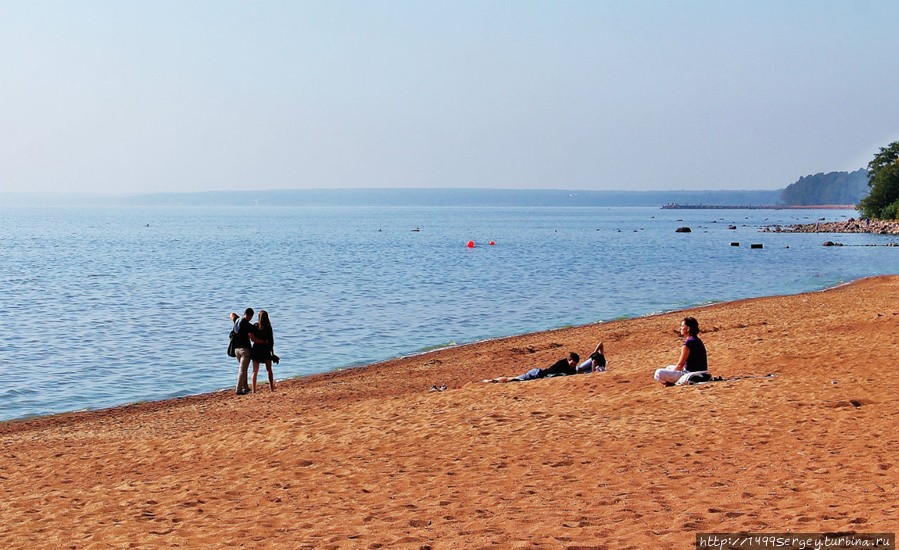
(835, 188)
(401, 198)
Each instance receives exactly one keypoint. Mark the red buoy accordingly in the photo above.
(470, 244)
(492, 243)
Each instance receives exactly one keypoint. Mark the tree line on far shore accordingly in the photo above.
(875, 191)
(830, 188)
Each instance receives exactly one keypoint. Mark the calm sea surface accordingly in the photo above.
(107, 306)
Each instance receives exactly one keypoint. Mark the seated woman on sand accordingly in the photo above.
(693, 358)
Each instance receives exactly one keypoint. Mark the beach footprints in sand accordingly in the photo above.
(727, 513)
(849, 404)
(534, 349)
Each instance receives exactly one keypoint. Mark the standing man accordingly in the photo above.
(244, 332)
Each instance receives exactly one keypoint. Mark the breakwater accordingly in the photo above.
(852, 225)
(679, 206)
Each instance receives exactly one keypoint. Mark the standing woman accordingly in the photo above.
(262, 349)
(692, 356)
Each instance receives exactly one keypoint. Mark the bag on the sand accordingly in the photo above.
(697, 377)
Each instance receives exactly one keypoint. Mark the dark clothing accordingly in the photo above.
(261, 353)
(242, 331)
(697, 360)
(560, 367)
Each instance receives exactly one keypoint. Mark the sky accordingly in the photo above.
(132, 97)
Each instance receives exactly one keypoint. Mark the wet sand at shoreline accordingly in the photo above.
(370, 458)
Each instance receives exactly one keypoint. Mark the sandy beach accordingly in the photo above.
(370, 458)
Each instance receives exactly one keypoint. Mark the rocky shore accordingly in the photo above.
(852, 225)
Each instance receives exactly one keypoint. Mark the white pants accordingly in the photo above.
(669, 375)
(587, 366)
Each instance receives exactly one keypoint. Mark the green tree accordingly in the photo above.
(831, 188)
(883, 180)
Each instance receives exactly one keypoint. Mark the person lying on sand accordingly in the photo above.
(693, 356)
(595, 363)
(562, 367)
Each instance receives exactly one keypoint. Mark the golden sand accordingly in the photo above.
(370, 458)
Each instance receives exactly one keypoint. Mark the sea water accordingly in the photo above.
(108, 306)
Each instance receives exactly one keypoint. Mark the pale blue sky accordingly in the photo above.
(137, 97)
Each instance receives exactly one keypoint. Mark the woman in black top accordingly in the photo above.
(262, 350)
(693, 357)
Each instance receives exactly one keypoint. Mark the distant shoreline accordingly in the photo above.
(676, 206)
(459, 197)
